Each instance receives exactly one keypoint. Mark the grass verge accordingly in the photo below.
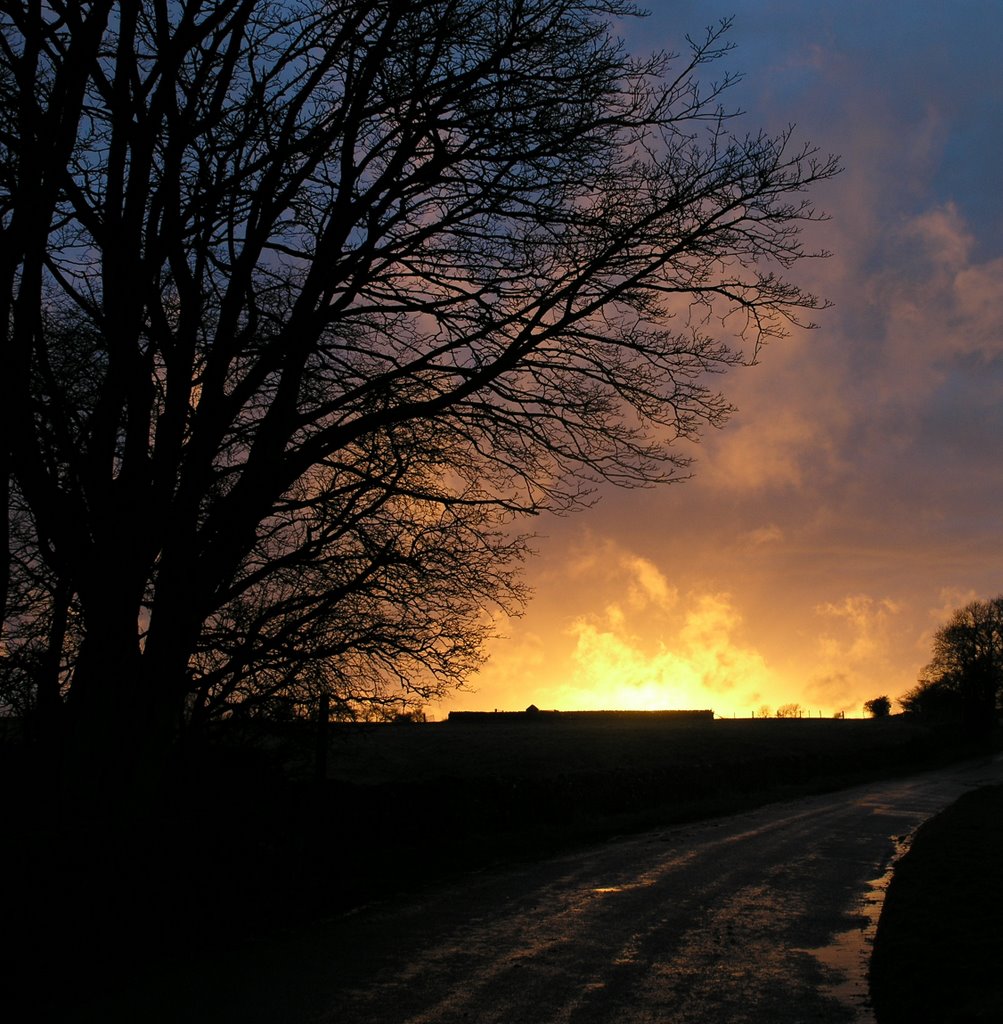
(939, 944)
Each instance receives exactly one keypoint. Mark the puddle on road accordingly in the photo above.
(848, 955)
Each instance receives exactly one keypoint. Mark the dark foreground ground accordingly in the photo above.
(250, 840)
(938, 952)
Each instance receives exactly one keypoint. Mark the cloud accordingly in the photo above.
(637, 643)
(766, 452)
(864, 623)
(951, 599)
(939, 303)
(854, 646)
(978, 292)
(771, 534)
(698, 656)
(648, 584)
(941, 237)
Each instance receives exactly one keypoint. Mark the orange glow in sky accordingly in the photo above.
(623, 637)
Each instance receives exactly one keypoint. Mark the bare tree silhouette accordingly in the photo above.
(306, 304)
(965, 675)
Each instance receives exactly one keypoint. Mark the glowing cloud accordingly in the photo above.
(647, 647)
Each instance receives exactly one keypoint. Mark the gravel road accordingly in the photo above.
(764, 916)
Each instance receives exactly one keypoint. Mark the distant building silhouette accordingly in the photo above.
(534, 713)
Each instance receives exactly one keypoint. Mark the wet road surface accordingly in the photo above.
(765, 916)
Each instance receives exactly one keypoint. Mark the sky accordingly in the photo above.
(856, 497)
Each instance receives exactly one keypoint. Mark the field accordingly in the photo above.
(400, 804)
(541, 750)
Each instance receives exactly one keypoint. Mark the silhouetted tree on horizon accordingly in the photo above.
(307, 305)
(964, 678)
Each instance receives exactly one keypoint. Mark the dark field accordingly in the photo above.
(545, 748)
(403, 803)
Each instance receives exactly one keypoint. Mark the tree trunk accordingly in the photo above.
(101, 709)
(107, 732)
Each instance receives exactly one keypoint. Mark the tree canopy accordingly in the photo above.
(878, 707)
(305, 305)
(964, 677)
